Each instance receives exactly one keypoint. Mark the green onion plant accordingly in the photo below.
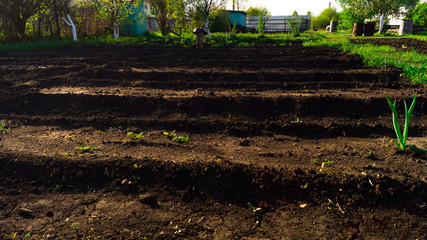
(401, 143)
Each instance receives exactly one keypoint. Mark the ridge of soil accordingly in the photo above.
(284, 143)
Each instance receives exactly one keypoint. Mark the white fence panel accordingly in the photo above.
(278, 23)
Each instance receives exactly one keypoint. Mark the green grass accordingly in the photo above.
(413, 63)
(38, 45)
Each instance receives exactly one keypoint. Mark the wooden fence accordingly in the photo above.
(277, 23)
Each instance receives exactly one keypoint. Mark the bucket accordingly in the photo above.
(333, 25)
(358, 29)
(369, 29)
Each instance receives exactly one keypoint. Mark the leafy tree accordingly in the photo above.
(220, 21)
(390, 7)
(239, 4)
(200, 10)
(117, 12)
(263, 15)
(58, 9)
(14, 14)
(419, 14)
(258, 11)
(323, 20)
(358, 9)
(167, 13)
(295, 23)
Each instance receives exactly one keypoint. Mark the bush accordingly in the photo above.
(323, 20)
(219, 21)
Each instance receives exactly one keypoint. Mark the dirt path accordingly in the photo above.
(301, 133)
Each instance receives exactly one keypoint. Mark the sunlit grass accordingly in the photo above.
(413, 63)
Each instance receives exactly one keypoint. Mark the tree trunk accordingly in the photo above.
(20, 26)
(207, 27)
(116, 29)
(55, 7)
(381, 23)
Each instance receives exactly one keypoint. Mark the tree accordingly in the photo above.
(295, 23)
(323, 20)
(263, 15)
(358, 9)
(117, 12)
(419, 14)
(258, 11)
(59, 8)
(15, 14)
(167, 13)
(239, 4)
(390, 7)
(200, 10)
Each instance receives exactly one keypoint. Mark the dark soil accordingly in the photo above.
(403, 44)
(301, 134)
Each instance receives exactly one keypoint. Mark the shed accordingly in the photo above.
(237, 16)
(136, 23)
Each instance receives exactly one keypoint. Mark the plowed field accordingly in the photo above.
(283, 143)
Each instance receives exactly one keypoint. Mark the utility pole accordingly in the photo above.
(329, 4)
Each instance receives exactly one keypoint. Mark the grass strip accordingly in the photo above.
(413, 63)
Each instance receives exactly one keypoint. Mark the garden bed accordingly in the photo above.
(301, 134)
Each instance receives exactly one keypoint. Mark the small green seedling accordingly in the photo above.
(297, 121)
(174, 137)
(329, 162)
(136, 136)
(401, 143)
(3, 127)
(253, 208)
(88, 148)
(314, 160)
(77, 230)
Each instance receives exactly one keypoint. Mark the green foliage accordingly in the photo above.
(117, 12)
(136, 136)
(401, 143)
(261, 23)
(219, 21)
(14, 15)
(3, 127)
(38, 45)
(323, 20)
(174, 137)
(88, 148)
(258, 11)
(168, 13)
(419, 14)
(356, 11)
(413, 63)
(295, 23)
(232, 30)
